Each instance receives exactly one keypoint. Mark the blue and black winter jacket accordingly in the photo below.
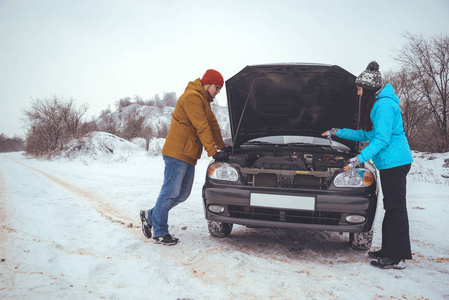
(388, 146)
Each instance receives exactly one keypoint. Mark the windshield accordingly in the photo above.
(298, 141)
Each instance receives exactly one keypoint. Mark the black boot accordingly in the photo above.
(167, 240)
(146, 227)
(376, 254)
(389, 263)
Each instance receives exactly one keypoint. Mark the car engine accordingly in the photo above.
(288, 169)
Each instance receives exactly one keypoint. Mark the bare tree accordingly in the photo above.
(169, 99)
(133, 124)
(147, 134)
(415, 110)
(87, 127)
(427, 63)
(52, 123)
(106, 122)
(139, 100)
(122, 103)
(162, 130)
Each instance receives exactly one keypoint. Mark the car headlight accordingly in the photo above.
(359, 177)
(222, 171)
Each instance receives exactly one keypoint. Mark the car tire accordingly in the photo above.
(361, 240)
(219, 229)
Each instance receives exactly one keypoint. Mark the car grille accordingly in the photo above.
(297, 181)
(280, 215)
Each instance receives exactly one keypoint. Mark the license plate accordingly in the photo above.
(282, 201)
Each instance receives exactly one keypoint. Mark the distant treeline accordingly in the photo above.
(11, 144)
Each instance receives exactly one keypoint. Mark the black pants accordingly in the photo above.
(395, 228)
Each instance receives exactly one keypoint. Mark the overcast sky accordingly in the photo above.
(98, 52)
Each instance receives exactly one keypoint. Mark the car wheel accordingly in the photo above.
(219, 229)
(361, 240)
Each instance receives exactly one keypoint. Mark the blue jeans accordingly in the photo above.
(178, 181)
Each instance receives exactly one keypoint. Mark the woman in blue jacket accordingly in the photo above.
(381, 125)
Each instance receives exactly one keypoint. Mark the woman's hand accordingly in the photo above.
(353, 162)
(330, 132)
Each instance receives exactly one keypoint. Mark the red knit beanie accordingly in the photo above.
(212, 77)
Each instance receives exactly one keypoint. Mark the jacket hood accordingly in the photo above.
(196, 85)
(290, 99)
(388, 92)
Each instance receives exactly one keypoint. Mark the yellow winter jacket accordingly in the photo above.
(193, 125)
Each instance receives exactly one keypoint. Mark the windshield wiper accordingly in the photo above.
(300, 144)
(258, 143)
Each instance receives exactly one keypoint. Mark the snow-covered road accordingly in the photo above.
(71, 230)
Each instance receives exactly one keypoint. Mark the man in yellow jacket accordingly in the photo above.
(193, 126)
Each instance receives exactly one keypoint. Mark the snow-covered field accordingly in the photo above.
(70, 229)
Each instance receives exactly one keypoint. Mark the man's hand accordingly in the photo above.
(221, 155)
(353, 162)
(227, 149)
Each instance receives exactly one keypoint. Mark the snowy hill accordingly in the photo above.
(156, 118)
(101, 146)
(430, 167)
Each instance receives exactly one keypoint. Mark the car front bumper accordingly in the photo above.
(328, 212)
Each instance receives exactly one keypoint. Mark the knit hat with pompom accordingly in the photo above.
(370, 78)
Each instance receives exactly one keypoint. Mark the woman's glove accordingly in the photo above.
(333, 131)
(353, 162)
(329, 134)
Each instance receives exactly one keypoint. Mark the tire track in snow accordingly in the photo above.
(114, 214)
(5, 230)
(191, 260)
(197, 262)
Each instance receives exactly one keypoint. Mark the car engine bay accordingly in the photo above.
(288, 169)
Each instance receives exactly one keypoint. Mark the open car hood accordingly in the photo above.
(291, 99)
